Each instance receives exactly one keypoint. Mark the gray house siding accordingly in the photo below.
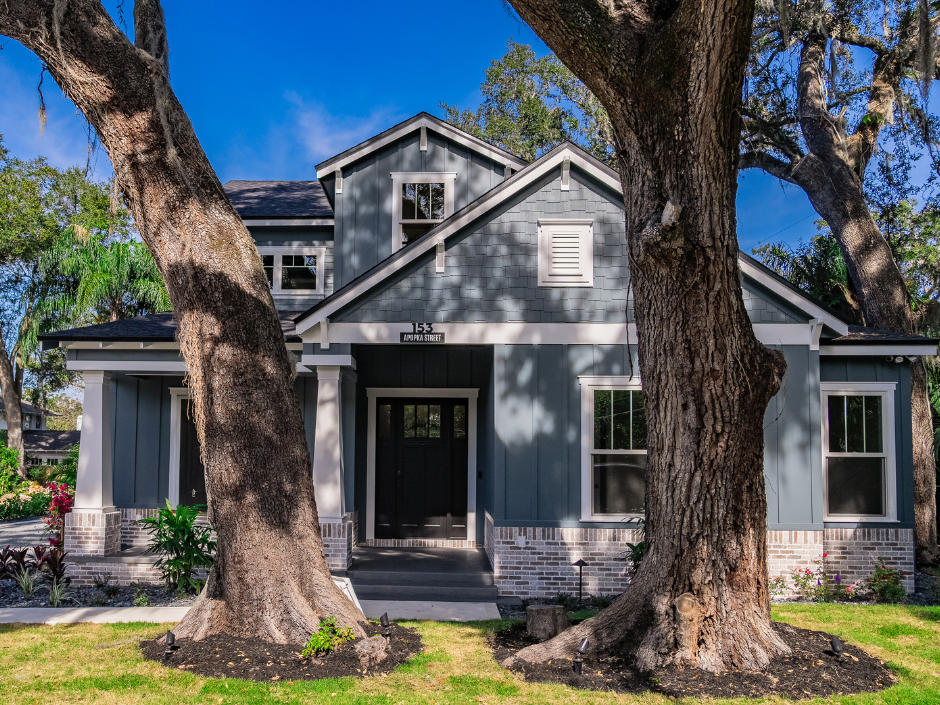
(420, 366)
(300, 237)
(765, 307)
(877, 369)
(491, 269)
(363, 211)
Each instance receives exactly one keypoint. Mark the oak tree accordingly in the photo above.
(670, 75)
(270, 577)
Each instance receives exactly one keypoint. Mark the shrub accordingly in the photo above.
(778, 586)
(26, 500)
(635, 551)
(183, 547)
(59, 592)
(27, 580)
(885, 583)
(822, 585)
(142, 599)
(327, 638)
(569, 602)
(62, 497)
(51, 564)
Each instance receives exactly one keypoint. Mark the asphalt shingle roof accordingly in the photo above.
(47, 441)
(279, 199)
(157, 328)
(862, 335)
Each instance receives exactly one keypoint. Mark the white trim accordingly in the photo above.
(423, 139)
(285, 222)
(513, 186)
(763, 277)
(448, 178)
(566, 175)
(127, 365)
(877, 350)
(816, 327)
(339, 180)
(471, 395)
(583, 229)
(177, 394)
(140, 345)
(439, 259)
(338, 360)
(590, 384)
(278, 253)
(886, 390)
(448, 131)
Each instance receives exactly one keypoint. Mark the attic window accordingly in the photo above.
(294, 271)
(566, 252)
(420, 202)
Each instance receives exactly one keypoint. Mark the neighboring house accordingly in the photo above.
(34, 418)
(467, 372)
(42, 446)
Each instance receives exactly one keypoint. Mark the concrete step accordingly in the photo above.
(437, 593)
(422, 579)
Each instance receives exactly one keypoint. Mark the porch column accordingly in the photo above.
(328, 446)
(93, 527)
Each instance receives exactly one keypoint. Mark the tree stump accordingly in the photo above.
(545, 621)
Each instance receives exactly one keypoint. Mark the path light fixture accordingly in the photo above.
(580, 563)
(579, 656)
(386, 632)
(837, 648)
(170, 643)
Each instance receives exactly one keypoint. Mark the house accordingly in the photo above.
(42, 446)
(34, 418)
(466, 367)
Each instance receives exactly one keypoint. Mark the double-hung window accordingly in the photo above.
(294, 271)
(613, 461)
(420, 202)
(858, 451)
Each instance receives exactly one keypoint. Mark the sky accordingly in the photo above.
(275, 88)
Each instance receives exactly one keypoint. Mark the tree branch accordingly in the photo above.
(150, 32)
(852, 36)
(770, 164)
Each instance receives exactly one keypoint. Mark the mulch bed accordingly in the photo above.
(224, 656)
(812, 670)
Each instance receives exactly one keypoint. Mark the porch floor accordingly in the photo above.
(422, 574)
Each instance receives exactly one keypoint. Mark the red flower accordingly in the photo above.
(825, 555)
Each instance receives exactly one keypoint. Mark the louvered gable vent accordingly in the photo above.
(566, 252)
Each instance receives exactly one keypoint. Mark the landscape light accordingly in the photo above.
(579, 656)
(170, 643)
(579, 564)
(386, 632)
(837, 647)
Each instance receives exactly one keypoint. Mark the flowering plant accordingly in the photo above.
(822, 585)
(885, 583)
(26, 500)
(60, 504)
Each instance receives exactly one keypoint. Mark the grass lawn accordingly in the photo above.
(87, 663)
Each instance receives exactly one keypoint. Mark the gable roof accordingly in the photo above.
(420, 120)
(278, 199)
(511, 186)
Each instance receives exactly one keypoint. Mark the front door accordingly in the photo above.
(192, 471)
(421, 469)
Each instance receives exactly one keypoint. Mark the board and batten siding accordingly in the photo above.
(878, 369)
(141, 434)
(363, 211)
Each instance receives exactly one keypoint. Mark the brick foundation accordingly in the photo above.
(82, 572)
(418, 543)
(133, 534)
(489, 536)
(92, 532)
(339, 537)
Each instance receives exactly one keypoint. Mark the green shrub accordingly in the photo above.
(327, 638)
(23, 501)
(885, 583)
(822, 585)
(182, 546)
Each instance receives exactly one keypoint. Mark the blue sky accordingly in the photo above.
(274, 88)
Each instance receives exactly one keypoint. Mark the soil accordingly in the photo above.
(224, 656)
(122, 596)
(812, 670)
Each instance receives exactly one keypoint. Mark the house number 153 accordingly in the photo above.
(422, 327)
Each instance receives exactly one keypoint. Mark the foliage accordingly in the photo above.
(9, 459)
(60, 504)
(532, 104)
(636, 551)
(59, 592)
(886, 583)
(27, 500)
(778, 586)
(27, 580)
(13, 560)
(822, 584)
(141, 599)
(51, 564)
(327, 638)
(566, 600)
(67, 408)
(182, 546)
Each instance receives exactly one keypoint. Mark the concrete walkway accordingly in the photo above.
(373, 609)
(23, 532)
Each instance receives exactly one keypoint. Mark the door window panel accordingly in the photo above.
(409, 420)
(460, 421)
(422, 422)
(434, 419)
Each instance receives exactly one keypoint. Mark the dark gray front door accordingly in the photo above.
(421, 468)
(192, 471)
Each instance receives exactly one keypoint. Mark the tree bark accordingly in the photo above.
(831, 176)
(13, 408)
(270, 579)
(670, 76)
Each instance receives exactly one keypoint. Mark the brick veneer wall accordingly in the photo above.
(489, 536)
(339, 537)
(82, 573)
(536, 562)
(91, 532)
(133, 534)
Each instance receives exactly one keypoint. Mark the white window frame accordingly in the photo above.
(278, 252)
(584, 227)
(590, 384)
(448, 178)
(886, 391)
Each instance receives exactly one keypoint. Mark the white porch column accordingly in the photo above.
(93, 528)
(328, 446)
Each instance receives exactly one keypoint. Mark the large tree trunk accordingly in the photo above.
(13, 408)
(270, 577)
(829, 176)
(672, 85)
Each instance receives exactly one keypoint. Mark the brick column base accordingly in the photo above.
(93, 532)
(339, 537)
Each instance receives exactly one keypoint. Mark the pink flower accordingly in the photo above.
(825, 555)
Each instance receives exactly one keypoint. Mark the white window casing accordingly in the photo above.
(279, 253)
(566, 252)
(885, 391)
(589, 385)
(421, 177)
